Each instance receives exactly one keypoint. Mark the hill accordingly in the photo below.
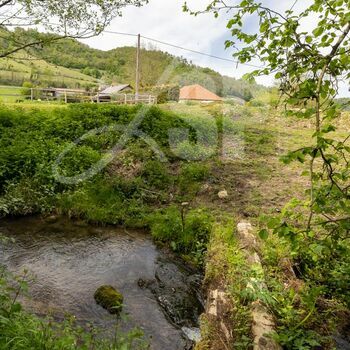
(25, 67)
(81, 65)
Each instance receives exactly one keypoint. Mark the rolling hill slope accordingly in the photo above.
(25, 67)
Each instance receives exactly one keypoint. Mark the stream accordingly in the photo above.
(70, 260)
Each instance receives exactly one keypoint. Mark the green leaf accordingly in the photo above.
(318, 31)
(16, 307)
(264, 27)
(264, 234)
(309, 39)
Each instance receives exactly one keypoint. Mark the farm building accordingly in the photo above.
(106, 94)
(197, 93)
(68, 95)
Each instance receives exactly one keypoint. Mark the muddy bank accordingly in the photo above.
(70, 260)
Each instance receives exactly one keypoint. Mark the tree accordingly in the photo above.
(308, 65)
(26, 89)
(66, 19)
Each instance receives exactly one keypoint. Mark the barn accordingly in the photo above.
(111, 92)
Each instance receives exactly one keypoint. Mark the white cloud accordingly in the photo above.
(164, 20)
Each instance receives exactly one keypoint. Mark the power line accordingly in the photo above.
(119, 33)
(179, 47)
(200, 53)
(184, 48)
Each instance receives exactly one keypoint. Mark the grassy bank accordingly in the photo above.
(307, 290)
(136, 188)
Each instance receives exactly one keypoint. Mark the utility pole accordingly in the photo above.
(137, 85)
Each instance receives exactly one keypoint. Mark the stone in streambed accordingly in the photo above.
(52, 219)
(109, 298)
(174, 293)
(223, 194)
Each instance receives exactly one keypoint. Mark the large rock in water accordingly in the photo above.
(176, 292)
(109, 298)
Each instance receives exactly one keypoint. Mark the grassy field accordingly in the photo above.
(11, 96)
(15, 91)
(28, 68)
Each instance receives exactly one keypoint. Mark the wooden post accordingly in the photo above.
(137, 84)
(98, 97)
(31, 94)
(65, 97)
(125, 99)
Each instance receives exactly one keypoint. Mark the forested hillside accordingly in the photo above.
(118, 66)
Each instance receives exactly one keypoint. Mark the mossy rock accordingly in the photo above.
(109, 298)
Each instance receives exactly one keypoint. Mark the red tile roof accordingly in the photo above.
(197, 92)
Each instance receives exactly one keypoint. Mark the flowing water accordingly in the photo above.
(70, 260)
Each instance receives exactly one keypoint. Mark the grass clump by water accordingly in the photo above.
(188, 231)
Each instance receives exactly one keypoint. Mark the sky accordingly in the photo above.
(164, 20)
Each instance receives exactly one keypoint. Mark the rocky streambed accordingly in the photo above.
(69, 260)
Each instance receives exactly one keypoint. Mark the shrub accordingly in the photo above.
(32, 140)
(166, 225)
(194, 172)
(186, 232)
(190, 178)
(26, 89)
(256, 103)
(167, 93)
(28, 196)
(192, 152)
(108, 200)
(156, 175)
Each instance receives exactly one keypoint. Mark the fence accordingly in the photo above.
(18, 94)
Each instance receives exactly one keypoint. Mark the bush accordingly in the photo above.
(190, 178)
(193, 152)
(194, 172)
(108, 200)
(28, 196)
(186, 232)
(32, 140)
(26, 89)
(167, 93)
(256, 103)
(156, 175)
